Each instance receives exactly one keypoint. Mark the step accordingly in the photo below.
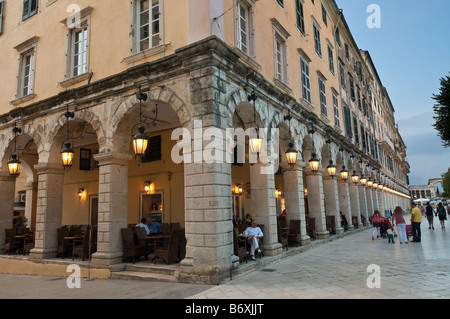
(157, 269)
(145, 276)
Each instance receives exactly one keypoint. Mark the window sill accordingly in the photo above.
(76, 79)
(246, 59)
(325, 118)
(282, 85)
(146, 53)
(23, 99)
(308, 104)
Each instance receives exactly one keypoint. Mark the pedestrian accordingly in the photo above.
(442, 214)
(401, 224)
(416, 220)
(390, 233)
(376, 223)
(422, 210)
(429, 214)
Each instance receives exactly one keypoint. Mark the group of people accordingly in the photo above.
(150, 226)
(416, 220)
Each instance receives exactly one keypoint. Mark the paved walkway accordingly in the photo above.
(338, 269)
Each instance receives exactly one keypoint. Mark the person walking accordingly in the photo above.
(401, 224)
(429, 214)
(376, 222)
(442, 214)
(416, 220)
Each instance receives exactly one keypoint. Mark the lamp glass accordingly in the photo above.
(255, 144)
(344, 174)
(314, 163)
(140, 142)
(291, 155)
(14, 166)
(67, 155)
(363, 180)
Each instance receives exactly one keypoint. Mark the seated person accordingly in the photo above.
(253, 233)
(154, 227)
(142, 224)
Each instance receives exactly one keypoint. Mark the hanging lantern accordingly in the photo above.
(14, 166)
(331, 169)
(140, 142)
(255, 143)
(363, 180)
(291, 155)
(375, 184)
(67, 154)
(355, 177)
(369, 182)
(344, 173)
(314, 163)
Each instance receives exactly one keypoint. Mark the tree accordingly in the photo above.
(442, 111)
(446, 184)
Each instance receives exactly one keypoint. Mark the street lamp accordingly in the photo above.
(355, 177)
(314, 163)
(140, 140)
(67, 152)
(14, 163)
(331, 169)
(291, 153)
(344, 173)
(255, 140)
(363, 180)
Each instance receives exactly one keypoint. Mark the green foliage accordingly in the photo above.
(446, 184)
(442, 112)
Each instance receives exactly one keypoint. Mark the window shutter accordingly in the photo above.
(153, 152)
(348, 122)
(1, 16)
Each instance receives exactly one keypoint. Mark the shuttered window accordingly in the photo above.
(30, 8)
(348, 122)
(1, 15)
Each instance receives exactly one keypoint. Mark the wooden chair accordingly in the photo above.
(294, 231)
(240, 246)
(80, 247)
(169, 253)
(331, 225)
(174, 226)
(130, 249)
(183, 243)
(75, 230)
(142, 240)
(165, 229)
(311, 227)
(12, 244)
(64, 246)
(282, 237)
(28, 244)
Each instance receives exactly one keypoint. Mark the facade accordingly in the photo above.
(426, 191)
(289, 68)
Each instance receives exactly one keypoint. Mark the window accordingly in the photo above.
(26, 73)
(358, 94)
(363, 138)
(337, 35)
(1, 15)
(336, 111)
(348, 121)
(331, 59)
(355, 128)
(279, 60)
(317, 44)
(324, 15)
(300, 16)
(85, 159)
(153, 151)
(352, 87)
(323, 97)
(30, 8)
(242, 27)
(342, 75)
(347, 53)
(148, 23)
(77, 50)
(306, 91)
(281, 3)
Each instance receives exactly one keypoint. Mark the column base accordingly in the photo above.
(322, 234)
(40, 254)
(305, 241)
(106, 259)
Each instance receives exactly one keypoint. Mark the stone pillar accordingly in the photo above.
(263, 207)
(48, 210)
(331, 198)
(354, 202)
(294, 199)
(112, 207)
(362, 203)
(316, 205)
(7, 191)
(30, 204)
(380, 201)
(369, 197)
(344, 201)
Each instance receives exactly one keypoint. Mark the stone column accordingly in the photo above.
(263, 207)
(316, 205)
(331, 198)
(354, 202)
(369, 197)
(294, 199)
(380, 201)
(30, 204)
(362, 203)
(7, 191)
(48, 210)
(344, 201)
(112, 207)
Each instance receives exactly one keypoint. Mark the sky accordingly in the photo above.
(411, 51)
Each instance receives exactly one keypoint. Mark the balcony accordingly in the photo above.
(386, 144)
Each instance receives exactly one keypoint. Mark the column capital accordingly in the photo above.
(44, 168)
(113, 158)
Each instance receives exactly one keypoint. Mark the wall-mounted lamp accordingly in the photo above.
(81, 193)
(277, 192)
(238, 190)
(147, 186)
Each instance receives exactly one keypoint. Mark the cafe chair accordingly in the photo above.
(294, 231)
(169, 253)
(130, 248)
(141, 236)
(80, 246)
(183, 243)
(282, 237)
(28, 244)
(12, 244)
(64, 246)
(240, 246)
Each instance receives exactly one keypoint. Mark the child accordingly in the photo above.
(390, 234)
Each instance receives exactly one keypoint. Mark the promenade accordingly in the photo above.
(352, 267)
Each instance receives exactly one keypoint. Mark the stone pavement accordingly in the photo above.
(338, 269)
